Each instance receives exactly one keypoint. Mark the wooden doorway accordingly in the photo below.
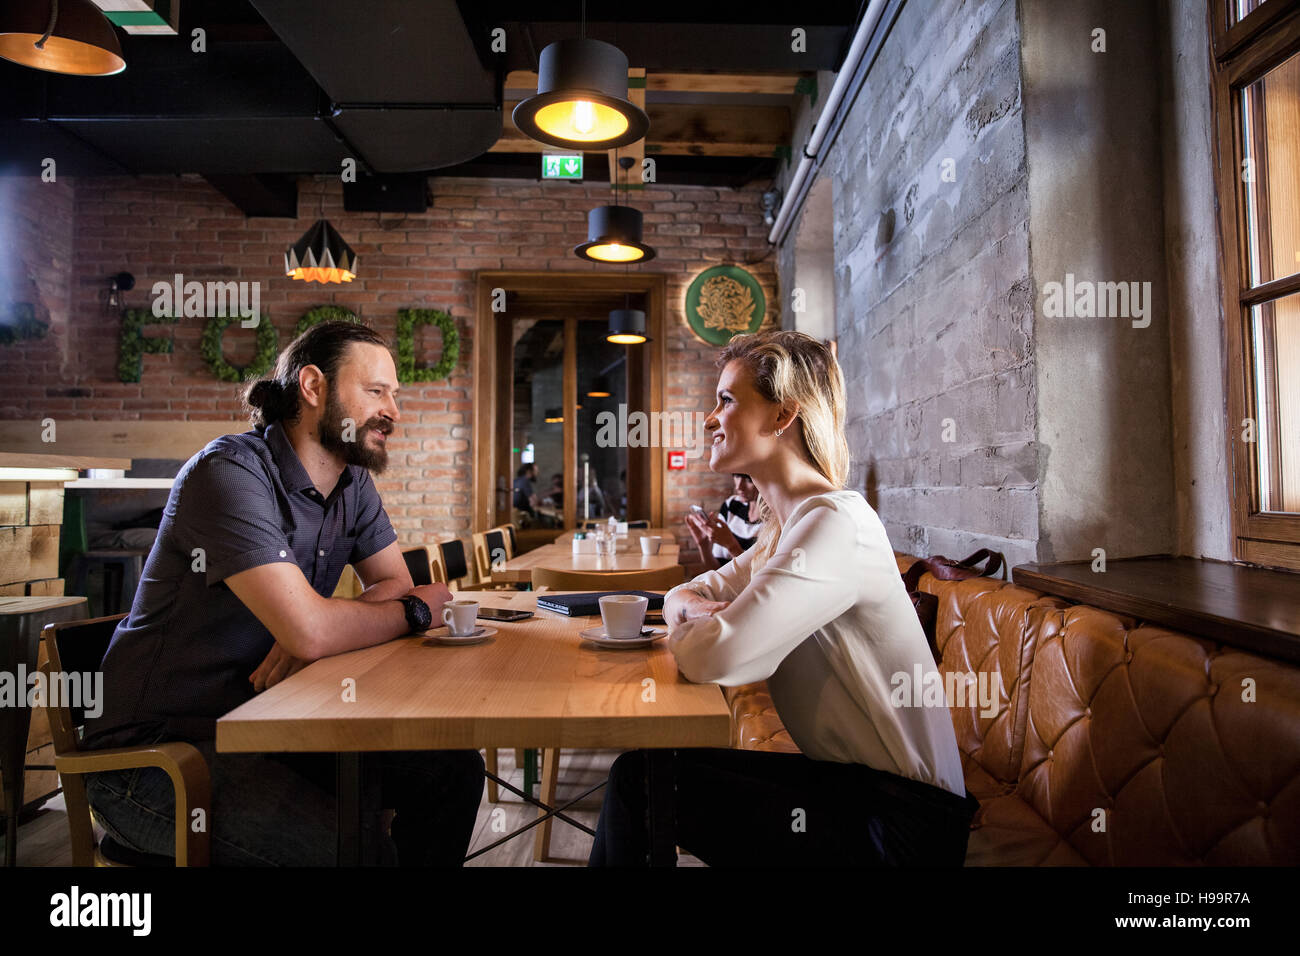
(561, 317)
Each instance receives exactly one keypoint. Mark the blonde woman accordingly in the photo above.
(817, 609)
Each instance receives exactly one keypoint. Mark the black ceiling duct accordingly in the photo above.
(393, 192)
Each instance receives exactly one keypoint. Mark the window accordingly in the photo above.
(1257, 106)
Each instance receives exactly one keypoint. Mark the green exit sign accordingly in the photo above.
(561, 167)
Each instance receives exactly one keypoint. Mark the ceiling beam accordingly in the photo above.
(630, 177)
(273, 196)
(777, 84)
(687, 129)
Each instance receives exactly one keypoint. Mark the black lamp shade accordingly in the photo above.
(614, 235)
(321, 255)
(82, 43)
(581, 100)
(599, 388)
(626, 327)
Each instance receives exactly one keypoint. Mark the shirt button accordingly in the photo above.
(282, 554)
(321, 553)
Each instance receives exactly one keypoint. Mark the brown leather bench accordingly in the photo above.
(1113, 743)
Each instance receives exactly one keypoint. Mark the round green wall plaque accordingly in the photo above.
(724, 301)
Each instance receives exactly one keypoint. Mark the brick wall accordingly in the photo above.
(155, 227)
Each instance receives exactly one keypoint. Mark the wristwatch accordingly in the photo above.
(418, 615)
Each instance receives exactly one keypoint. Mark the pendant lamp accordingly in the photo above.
(60, 36)
(627, 327)
(614, 235)
(321, 255)
(581, 100)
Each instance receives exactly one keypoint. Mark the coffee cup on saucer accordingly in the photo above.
(623, 614)
(460, 617)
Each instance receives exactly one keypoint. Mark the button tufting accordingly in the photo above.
(1263, 808)
(1087, 711)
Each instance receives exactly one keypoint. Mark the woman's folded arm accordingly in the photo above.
(812, 579)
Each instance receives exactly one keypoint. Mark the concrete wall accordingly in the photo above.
(1092, 132)
(1202, 472)
(933, 305)
(990, 153)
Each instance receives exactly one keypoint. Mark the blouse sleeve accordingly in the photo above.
(809, 581)
(723, 584)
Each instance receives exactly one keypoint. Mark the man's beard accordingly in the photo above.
(329, 432)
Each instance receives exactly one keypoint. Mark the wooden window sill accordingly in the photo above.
(1242, 606)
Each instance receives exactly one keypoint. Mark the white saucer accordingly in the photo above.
(597, 635)
(442, 635)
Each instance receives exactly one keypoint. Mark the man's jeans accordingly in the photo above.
(279, 809)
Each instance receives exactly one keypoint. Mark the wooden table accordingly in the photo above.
(536, 683)
(560, 557)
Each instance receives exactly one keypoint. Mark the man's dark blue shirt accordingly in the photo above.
(183, 656)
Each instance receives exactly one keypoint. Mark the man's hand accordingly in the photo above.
(435, 595)
(278, 665)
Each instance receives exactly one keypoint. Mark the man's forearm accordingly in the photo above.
(389, 589)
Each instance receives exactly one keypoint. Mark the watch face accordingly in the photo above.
(418, 614)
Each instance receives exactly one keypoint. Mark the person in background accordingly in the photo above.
(277, 513)
(817, 609)
(525, 498)
(727, 534)
(556, 494)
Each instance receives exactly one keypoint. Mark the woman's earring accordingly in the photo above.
(778, 432)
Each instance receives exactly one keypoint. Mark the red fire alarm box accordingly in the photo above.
(676, 460)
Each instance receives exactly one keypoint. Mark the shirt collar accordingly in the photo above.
(292, 473)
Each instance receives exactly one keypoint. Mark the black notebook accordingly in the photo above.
(580, 605)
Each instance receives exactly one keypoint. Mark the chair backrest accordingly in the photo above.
(454, 561)
(639, 523)
(651, 579)
(73, 647)
(514, 541)
(436, 570)
(497, 552)
(417, 562)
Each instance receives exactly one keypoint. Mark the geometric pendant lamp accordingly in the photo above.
(321, 255)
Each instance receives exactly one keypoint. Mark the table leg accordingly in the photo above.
(348, 804)
(661, 808)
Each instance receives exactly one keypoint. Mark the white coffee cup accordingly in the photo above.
(623, 614)
(650, 543)
(460, 616)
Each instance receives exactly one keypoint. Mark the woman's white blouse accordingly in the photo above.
(827, 622)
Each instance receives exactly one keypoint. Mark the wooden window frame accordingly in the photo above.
(647, 364)
(1242, 54)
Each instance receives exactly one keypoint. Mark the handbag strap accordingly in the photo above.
(945, 569)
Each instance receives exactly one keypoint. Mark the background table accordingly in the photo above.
(560, 557)
(536, 683)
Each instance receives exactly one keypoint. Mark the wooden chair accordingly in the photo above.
(512, 538)
(489, 549)
(419, 563)
(658, 579)
(653, 579)
(78, 647)
(456, 566)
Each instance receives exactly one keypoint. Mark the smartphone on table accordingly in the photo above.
(502, 614)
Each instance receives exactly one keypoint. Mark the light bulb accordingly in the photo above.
(584, 116)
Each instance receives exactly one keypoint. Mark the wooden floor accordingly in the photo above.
(43, 841)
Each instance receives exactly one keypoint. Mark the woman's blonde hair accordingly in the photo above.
(792, 367)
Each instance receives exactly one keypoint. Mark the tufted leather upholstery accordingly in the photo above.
(1114, 743)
